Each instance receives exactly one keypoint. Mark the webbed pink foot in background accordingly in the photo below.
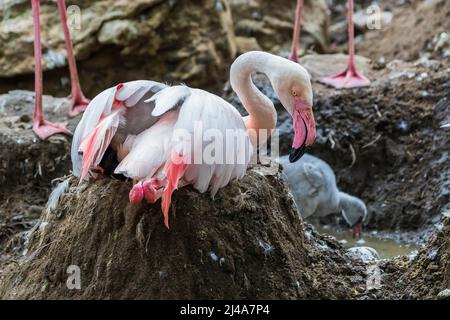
(350, 77)
(44, 129)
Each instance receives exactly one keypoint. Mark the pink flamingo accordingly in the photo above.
(148, 127)
(42, 127)
(350, 77)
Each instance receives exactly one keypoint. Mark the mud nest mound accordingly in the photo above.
(248, 242)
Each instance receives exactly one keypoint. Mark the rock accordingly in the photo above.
(366, 254)
(442, 42)
(271, 23)
(375, 20)
(118, 32)
(245, 44)
(138, 39)
(363, 21)
(255, 249)
(444, 295)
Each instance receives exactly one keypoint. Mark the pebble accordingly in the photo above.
(432, 255)
(213, 256)
(265, 247)
(403, 126)
(361, 241)
(366, 254)
(444, 295)
(422, 76)
(25, 118)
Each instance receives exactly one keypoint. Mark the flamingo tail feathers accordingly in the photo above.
(174, 168)
(94, 145)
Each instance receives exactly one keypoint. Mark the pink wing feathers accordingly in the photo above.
(94, 145)
(106, 117)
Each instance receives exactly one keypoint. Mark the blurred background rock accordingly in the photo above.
(188, 41)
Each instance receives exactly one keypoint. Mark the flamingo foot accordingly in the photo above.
(150, 190)
(349, 78)
(44, 129)
(79, 103)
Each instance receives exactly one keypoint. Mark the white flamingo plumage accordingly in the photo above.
(140, 122)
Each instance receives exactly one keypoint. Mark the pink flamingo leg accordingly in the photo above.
(41, 127)
(296, 34)
(78, 100)
(349, 78)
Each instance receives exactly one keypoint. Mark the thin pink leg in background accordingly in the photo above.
(297, 29)
(78, 100)
(41, 127)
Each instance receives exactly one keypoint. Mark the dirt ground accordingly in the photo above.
(384, 143)
(427, 275)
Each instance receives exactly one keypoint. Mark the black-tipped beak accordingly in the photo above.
(296, 154)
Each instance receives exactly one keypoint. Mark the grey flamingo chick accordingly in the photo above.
(313, 185)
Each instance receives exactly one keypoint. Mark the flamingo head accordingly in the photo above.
(354, 212)
(293, 86)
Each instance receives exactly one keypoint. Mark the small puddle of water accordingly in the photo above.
(386, 248)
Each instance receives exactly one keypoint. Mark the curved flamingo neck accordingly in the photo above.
(262, 113)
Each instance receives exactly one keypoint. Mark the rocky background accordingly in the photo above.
(158, 39)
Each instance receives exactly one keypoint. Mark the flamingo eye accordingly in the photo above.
(294, 93)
